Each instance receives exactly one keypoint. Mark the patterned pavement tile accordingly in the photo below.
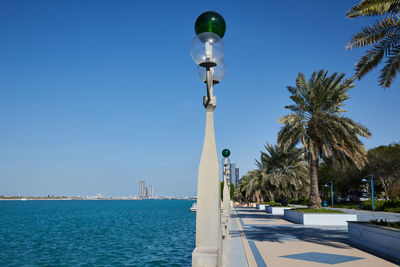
(326, 258)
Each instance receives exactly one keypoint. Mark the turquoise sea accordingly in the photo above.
(96, 233)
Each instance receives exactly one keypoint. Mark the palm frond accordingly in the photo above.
(374, 7)
(384, 37)
(385, 28)
(391, 68)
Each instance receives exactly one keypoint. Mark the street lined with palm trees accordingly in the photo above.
(319, 146)
(317, 122)
(317, 133)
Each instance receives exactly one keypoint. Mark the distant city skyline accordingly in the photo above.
(96, 95)
(145, 192)
(142, 188)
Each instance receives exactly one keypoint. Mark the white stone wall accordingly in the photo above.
(319, 218)
(261, 206)
(376, 238)
(277, 210)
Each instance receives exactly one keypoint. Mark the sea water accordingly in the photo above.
(96, 233)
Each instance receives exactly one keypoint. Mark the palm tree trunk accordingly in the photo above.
(258, 196)
(315, 200)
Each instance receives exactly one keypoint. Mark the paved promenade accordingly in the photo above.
(269, 240)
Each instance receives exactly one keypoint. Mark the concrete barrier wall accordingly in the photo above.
(261, 206)
(319, 218)
(293, 216)
(377, 238)
(276, 210)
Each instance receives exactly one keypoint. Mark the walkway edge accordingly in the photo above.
(251, 261)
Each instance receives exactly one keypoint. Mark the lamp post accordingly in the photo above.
(372, 188)
(226, 207)
(207, 50)
(326, 185)
(226, 193)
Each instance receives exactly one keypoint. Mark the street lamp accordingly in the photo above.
(372, 188)
(331, 184)
(226, 207)
(226, 193)
(207, 51)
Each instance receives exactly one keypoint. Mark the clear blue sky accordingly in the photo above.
(96, 95)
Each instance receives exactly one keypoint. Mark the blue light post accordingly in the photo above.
(372, 188)
(326, 185)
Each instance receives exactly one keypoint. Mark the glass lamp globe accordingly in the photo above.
(207, 49)
(226, 161)
(210, 21)
(226, 153)
(217, 71)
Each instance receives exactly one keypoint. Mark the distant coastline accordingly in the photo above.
(89, 198)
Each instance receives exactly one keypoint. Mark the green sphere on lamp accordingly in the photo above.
(210, 21)
(226, 153)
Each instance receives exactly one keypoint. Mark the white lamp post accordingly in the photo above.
(226, 207)
(207, 50)
(226, 194)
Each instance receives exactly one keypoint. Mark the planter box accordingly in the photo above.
(319, 218)
(261, 206)
(277, 210)
(378, 238)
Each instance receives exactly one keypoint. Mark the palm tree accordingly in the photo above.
(285, 172)
(317, 121)
(384, 38)
(250, 188)
(255, 190)
(240, 193)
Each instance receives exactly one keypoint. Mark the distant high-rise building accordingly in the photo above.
(232, 168)
(150, 191)
(236, 183)
(233, 174)
(142, 188)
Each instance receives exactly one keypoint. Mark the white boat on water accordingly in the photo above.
(193, 208)
(24, 199)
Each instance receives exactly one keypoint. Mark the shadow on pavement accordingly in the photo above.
(286, 233)
(281, 234)
(257, 214)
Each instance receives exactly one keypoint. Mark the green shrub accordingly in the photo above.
(319, 211)
(300, 201)
(395, 203)
(348, 205)
(367, 205)
(269, 203)
(382, 205)
(392, 205)
(393, 209)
